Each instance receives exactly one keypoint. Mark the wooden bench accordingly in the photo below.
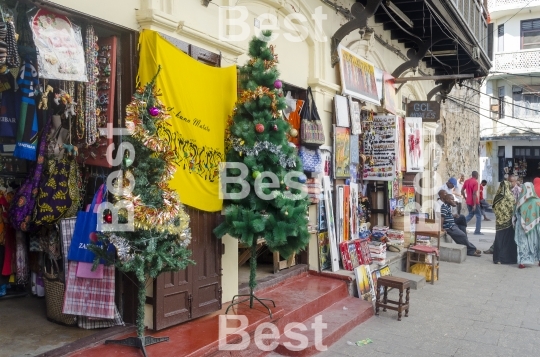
(393, 282)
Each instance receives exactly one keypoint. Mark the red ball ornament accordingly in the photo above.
(108, 218)
(259, 128)
(278, 84)
(153, 111)
(287, 188)
(275, 127)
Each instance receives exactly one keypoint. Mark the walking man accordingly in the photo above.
(470, 191)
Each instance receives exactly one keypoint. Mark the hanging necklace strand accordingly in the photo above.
(91, 89)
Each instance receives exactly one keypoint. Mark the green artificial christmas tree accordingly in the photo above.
(161, 236)
(257, 137)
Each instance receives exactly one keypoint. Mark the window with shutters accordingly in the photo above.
(500, 37)
(530, 34)
(526, 101)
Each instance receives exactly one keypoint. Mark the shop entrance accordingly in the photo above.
(526, 163)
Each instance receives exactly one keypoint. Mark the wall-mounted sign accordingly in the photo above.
(428, 111)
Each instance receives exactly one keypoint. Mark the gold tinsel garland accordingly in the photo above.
(145, 217)
(259, 92)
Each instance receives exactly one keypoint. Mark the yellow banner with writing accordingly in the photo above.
(200, 98)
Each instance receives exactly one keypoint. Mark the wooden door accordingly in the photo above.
(195, 291)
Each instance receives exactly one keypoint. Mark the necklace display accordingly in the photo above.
(90, 112)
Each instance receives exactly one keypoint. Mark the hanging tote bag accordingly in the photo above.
(85, 232)
(311, 131)
(22, 209)
(58, 194)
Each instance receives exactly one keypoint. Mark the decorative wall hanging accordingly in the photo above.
(357, 77)
(414, 144)
(60, 47)
(197, 131)
(402, 158)
(341, 152)
(330, 223)
(341, 108)
(379, 148)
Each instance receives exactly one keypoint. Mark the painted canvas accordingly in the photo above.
(401, 157)
(357, 76)
(341, 107)
(354, 108)
(342, 149)
(414, 144)
(321, 208)
(389, 93)
(330, 223)
(354, 218)
(363, 281)
(325, 259)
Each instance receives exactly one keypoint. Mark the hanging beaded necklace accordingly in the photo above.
(92, 72)
(80, 125)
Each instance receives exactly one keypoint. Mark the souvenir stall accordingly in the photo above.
(59, 94)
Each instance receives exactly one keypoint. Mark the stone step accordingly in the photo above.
(339, 318)
(417, 281)
(452, 252)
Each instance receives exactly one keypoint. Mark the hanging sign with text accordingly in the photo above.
(427, 110)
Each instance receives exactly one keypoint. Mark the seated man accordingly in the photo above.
(449, 225)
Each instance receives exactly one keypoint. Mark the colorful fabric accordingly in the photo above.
(528, 206)
(503, 206)
(201, 98)
(26, 140)
(90, 297)
(470, 186)
(9, 111)
(22, 209)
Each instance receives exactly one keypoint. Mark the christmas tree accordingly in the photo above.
(257, 137)
(159, 241)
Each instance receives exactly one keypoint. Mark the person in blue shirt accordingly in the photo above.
(449, 224)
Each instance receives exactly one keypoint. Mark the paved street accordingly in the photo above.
(476, 309)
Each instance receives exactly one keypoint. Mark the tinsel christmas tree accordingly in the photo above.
(257, 136)
(162, 234)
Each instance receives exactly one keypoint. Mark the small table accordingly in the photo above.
(397, 283)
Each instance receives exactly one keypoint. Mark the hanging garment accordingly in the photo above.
(9, 235)
(9, 110)
(90, 297)
(22, 258)
(27, 130)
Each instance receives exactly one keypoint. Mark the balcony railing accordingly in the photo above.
(472, 13)
(517, 62)
(499, 5)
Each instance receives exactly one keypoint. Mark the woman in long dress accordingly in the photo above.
(527, 235)
(504, 203)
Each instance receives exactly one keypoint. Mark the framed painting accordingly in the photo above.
(357, 76)
(330, 223)
(414, 144)
(342, 149)
(325, 260)
(354, 108)
(341, 106)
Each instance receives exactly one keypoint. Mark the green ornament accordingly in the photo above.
(128, 161)
(256, 174)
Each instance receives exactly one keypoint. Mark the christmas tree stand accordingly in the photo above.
(252, 284)
(138, 342)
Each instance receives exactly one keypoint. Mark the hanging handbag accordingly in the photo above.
(311, 131)
(54, 298)
(311, 159)
(85, 232)
(58, 194)
(22, 209)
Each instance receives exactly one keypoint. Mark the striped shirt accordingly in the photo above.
(446, 214)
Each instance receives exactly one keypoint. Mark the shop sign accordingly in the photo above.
(427, 110)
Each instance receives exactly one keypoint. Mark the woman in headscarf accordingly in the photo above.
(504, 203)
(527, 229)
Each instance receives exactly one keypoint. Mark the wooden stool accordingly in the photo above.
(396, 283)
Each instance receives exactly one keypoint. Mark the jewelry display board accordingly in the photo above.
(96, 154)
(379, 148)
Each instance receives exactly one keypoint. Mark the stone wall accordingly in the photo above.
(459, 132)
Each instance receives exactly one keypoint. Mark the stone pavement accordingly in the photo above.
(476, 309)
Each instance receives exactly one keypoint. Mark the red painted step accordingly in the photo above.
(339, 318)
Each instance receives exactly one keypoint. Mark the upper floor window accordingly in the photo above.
(501, 102)
(526, 101)
(530, 34)
(500, 37)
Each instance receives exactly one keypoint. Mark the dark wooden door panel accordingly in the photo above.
(172, 298)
